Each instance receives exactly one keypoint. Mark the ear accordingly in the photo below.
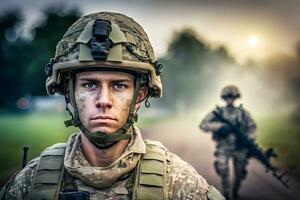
(143, 92)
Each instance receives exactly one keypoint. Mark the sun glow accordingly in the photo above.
(253, 41)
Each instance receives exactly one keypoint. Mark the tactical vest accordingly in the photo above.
(149, 181)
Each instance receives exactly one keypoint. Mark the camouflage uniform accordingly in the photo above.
(226, 146)
(183, 182)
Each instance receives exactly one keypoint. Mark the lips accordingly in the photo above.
(102, 117)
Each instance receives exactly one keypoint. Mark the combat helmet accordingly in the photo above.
(103, 40)
(230, 91)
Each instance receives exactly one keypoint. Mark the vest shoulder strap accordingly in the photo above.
(48, 177)
(6, 187)
(150, 182)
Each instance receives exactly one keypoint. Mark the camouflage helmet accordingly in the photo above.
(104, 40)
(230, 91)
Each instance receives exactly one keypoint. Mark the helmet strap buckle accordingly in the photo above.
(49, 67)
(158, 68)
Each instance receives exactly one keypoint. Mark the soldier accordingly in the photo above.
(105, 67)
(227, 146)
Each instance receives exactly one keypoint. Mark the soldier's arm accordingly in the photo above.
(209, 124)
(185, 183)
(19, 186)
(250, 125)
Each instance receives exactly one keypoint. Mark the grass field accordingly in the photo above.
(37, 131)
(40, 130)
(284, 136)
(34, 130)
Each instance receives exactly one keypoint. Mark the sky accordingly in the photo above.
(252, 29)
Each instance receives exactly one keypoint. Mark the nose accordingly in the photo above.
(104, 98)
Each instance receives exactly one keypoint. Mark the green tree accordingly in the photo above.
(22, 60)
(46, 35)
(9, 72)
(189, 69)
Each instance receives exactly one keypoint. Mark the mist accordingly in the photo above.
(195, 71)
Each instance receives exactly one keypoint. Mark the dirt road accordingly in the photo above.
(187, 141)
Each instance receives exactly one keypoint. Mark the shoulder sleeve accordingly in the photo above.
(214, 194)
(210, 121)
(185, 183)
(205, 123)
(19, 186)
(249, 122)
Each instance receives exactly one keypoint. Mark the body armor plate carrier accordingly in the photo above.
(149, 181)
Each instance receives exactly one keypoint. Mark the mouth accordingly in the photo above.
(102, 118)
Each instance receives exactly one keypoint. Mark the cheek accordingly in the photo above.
(126, 105)
(124, 110)
(123, 102)
(83, 100)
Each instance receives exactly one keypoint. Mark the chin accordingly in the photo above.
(106, 130)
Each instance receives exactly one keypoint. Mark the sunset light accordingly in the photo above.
(253, 41)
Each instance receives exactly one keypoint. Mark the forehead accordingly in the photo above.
(104, 75)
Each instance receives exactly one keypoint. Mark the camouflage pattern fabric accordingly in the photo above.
(182, 180)
(20, 186)
(226, 148)
(99, 177)
(230, 90)
(185, 183)
(134, 33)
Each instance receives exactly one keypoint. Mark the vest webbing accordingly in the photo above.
(48, 177)
(150, 180)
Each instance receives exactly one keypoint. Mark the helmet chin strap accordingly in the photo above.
(101, 139)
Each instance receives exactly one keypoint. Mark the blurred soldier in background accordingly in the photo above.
(227, 145)
(105, 67)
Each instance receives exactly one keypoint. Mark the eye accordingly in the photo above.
(89, 85)
(119, 86)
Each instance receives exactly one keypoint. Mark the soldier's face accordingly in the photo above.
(229, 101)
(103, 99)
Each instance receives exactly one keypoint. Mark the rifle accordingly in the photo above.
(243, 141)
(25, 153)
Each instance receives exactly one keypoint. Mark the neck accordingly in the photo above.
(102, 157)
(230, 105)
